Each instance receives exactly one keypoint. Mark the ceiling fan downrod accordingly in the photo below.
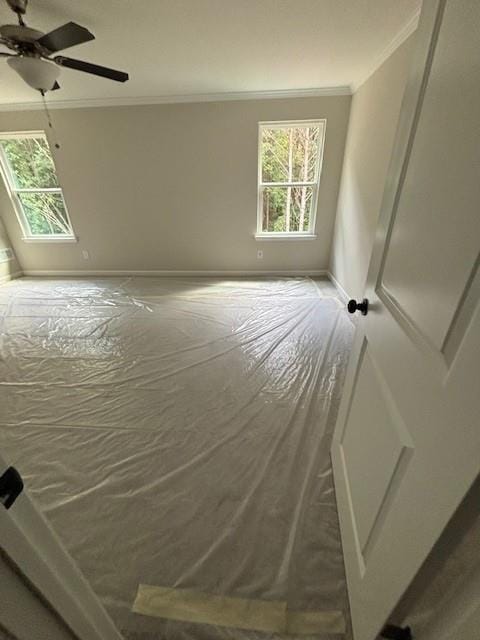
(20, 8)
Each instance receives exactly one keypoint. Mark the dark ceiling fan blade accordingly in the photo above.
(95, 69)
(65, 36)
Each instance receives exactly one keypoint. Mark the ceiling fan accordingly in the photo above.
(33, 49)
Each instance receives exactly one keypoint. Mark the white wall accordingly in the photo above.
(174, 187)
(373, 120)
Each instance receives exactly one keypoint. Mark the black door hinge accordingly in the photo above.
(11, 486)
(392, 632)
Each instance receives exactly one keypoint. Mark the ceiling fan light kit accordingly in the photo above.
(33, 50)
(39, 74)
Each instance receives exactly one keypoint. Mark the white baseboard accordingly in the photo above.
(177, 273)
(338, 286)
(10, 276)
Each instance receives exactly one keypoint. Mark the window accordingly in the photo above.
(290, 161)
(30, 177)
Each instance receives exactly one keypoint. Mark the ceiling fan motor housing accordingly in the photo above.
(20, 34)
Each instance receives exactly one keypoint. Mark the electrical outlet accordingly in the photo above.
(6, 254)
(259, 254)
(85, 254)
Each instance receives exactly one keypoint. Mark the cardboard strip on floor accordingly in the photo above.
(187, 605)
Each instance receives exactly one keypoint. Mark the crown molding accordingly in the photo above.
(408, 28)
(195, 97)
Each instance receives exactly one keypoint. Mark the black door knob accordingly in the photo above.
(362, 306)
(393, 632)
(11, 486)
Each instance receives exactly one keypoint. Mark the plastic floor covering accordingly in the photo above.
(176, 434)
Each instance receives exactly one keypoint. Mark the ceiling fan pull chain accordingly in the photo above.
(49, 120)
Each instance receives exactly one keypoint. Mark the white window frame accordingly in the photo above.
(290, 235)
(13, 190)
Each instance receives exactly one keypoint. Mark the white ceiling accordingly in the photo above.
(191, 47)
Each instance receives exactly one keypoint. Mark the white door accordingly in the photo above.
(407, 441)
(42, 592)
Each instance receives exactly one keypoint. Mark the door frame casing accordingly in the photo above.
(33, 547)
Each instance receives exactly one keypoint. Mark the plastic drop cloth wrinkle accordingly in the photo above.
(176, 432)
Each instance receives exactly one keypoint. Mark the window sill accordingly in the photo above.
(285, 236)
(56, 239)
